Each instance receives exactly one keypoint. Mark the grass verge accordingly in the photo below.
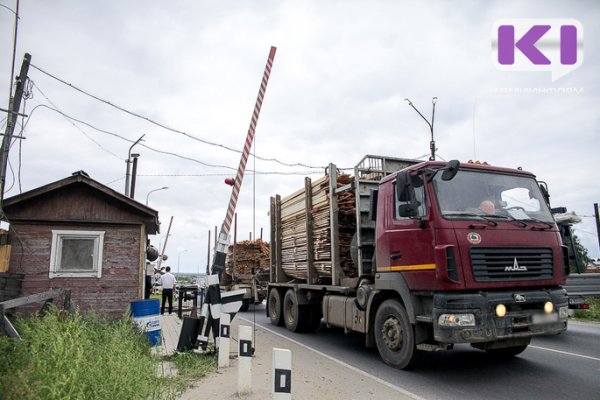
(78, 356)
(593, 314)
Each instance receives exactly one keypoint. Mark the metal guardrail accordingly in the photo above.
(583, 284)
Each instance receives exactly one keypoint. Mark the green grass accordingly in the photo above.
(593, 313)
(85, 356)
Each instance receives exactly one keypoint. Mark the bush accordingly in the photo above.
(594, 311)
(83, 357)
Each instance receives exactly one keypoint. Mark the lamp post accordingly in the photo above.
(128, 161)
(155, 190)
(432, 142)
(179, 259)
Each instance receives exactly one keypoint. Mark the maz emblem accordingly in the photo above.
(520, 298)
(515, 267)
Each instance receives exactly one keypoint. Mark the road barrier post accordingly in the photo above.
(245, 360)
(224, 341)
(282, 374)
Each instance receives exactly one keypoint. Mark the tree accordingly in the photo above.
(582, 253)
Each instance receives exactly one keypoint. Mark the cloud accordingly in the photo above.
(336, 92)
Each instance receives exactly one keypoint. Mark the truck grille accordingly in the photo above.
(511, 264)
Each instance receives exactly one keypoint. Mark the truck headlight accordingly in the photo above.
(501, 310)
(456, 320)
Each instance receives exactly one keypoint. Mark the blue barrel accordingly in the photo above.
(146, 313)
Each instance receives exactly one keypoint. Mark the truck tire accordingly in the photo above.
(295, 316)
(394, 335)
(275, 307)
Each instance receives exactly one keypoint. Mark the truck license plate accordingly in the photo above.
(544, 318)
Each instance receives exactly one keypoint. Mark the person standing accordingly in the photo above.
(168, 283)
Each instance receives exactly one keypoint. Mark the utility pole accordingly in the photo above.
(128, 161)
(13, 111)
(162, 254)
(133, 175)
(208, 255)
(597, 218)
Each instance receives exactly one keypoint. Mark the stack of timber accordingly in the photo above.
(251, 257)
(294, 246)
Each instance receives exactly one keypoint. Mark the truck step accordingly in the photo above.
(433, 347)
(425, 318)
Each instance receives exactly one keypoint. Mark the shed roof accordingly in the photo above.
(14, 207)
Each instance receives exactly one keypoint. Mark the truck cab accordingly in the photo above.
(475, 255)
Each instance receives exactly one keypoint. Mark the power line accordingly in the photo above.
(250, 172)
(71, 119)
(161, 125)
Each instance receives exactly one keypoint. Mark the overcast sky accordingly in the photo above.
(336, 93)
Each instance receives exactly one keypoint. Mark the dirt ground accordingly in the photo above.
(314, 376)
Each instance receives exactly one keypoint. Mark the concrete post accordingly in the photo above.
(245, 360)
(224, 341)
(282, 374)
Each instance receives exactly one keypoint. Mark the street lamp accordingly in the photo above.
(155, 190)
(432, 142)
(179, 259)
(128, 161)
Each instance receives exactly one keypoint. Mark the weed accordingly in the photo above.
(594, 311)
(85, 356)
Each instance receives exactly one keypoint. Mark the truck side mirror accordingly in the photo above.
(450, 170)
(408, 210)
(415, 180)
(402, 187)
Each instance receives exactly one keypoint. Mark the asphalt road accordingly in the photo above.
(566, 366)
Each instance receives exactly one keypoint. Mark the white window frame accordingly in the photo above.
(56, 252)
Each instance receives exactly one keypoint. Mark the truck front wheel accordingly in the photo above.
(275, 307)
(394, 335)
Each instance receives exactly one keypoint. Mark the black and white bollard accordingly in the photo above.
(223, 339)
(245, 360)
(210, 312)
(282, 374)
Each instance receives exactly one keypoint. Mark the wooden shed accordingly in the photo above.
(79, 234)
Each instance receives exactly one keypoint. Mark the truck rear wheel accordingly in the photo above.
(295, 316)
(275, 307)
(394, 335)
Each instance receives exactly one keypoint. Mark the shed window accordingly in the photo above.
(76, 254)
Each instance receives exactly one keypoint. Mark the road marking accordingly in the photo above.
(565, 352)
(379, 380)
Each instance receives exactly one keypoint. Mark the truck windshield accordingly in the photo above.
(473, 194)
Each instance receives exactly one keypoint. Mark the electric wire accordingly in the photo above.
(71, 122)
(73, 119)
(161, 125)
(166, 127)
